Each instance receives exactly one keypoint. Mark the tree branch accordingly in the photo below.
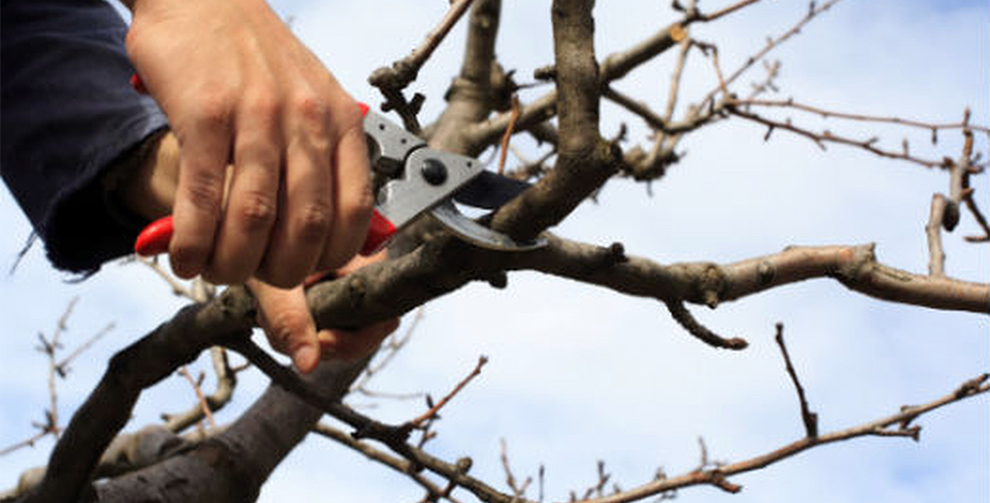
(392, 80)
(133, 369)
(584, 161)
(232, 466)
(880, 427)
(810, 419)
(856, 267)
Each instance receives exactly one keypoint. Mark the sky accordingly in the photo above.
(578, 374)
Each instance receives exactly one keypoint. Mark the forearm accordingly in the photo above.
(69, 115)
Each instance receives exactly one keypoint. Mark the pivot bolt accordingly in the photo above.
(434, 172)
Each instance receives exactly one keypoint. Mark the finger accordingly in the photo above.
(252, 202)
(352, 345)
(359, 261)
(307, 209)
(354, 198)
(288, 323)
(204, 153)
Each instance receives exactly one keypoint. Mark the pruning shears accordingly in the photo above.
(415, 180)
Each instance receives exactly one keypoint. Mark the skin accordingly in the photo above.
(240, 90)
(282, 313)
(265, 170)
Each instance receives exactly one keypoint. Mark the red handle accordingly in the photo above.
(154, 239)
(380, 231)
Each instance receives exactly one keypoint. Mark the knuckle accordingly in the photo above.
(356, 211)
(205, 190)
(314, 113)
(350, 118)
(215, 108)
(257, 212)
(313, 222)
(262, 105)
(353, 129)
(187, 258)
(282, 326)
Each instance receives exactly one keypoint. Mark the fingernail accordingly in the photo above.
(305, 358)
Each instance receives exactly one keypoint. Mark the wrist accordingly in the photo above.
(143, 183)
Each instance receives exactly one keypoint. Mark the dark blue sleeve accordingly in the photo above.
(69, 114)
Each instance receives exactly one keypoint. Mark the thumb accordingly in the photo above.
(287, 322)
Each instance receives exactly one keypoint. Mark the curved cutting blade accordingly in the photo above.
(477, 234)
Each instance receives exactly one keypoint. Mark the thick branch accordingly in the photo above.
(614, 67)
(856, 267)
(233, 465)
(139, 366)
(468, 99)
(383, 290)
(585, 161)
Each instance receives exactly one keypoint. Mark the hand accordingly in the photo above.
(287, 321)
(239, 88)
(283, 313)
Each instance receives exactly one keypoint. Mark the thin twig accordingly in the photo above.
(637, 107)
(200, 397)
(50, 348)
(900, 422)
(827, 136)
(933, 230)
(772, 44)
(398, 464)
(713, 49)
(177, 287)
(684, 317)
(809, 418)
(390, 349)
(504, 144)
(599, 486)
(25, 443)
(63, 365)
(392, 80)
(56, 369)
(673, 91)
(404, 71)
(510, 479)
(790, 103)
(226, 382)
(428, 415)
(727, 10)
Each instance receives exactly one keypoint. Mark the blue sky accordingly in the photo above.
(578, 374)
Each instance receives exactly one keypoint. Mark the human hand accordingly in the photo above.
(283, 313)
(240, 89)
(288, 323)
